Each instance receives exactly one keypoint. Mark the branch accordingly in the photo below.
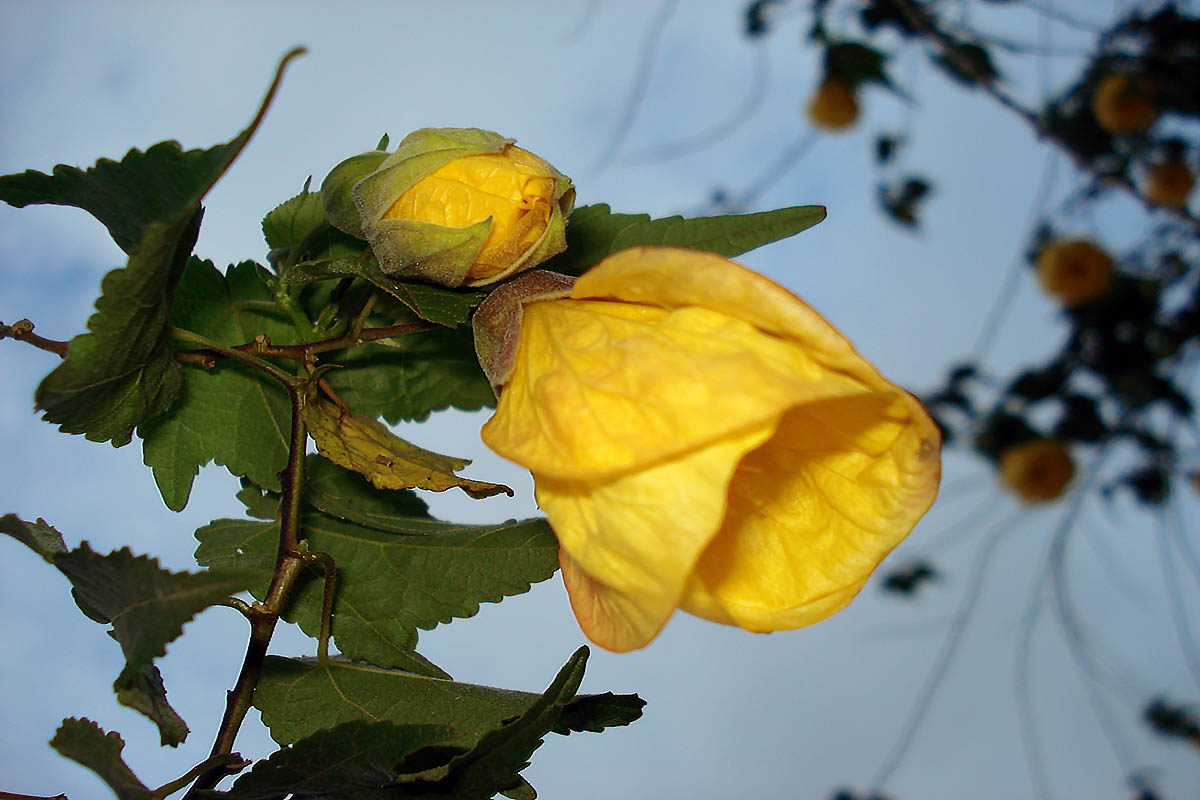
(924, 25)
(22, 331)
(261, 347)
(288, 565)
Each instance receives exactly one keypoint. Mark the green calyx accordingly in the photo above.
(496, 324)
(336, 195)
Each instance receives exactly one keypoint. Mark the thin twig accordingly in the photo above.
(960, 530)
(22, 331)
(1184, 546)
(1023, 658)
(1053, 567)
(1012, 281)
(954, 638)
(641, 82)
(261, 347)
(583, 23)
(1079, 648)
(1187, 641)
(244, 353)
(722, 129)
(948, 47)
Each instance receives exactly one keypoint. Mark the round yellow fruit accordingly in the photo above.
(1124, 103)
(834, 107)
(1075, 271)
(1037, 470)
(1169, 183)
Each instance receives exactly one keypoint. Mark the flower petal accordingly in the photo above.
(602, 388)
(628, 545)
(675, 277)
(814, 510)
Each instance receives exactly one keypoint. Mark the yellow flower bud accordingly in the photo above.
(834, 106)
(1169, 183)
(701, 439)
(1075, 271)
(513, 188)
(1124, 103)
(1037, 470)
(456, 206)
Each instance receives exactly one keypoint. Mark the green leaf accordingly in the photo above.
(291, 222)
(327, 253)
(969, 64)
(595, 712)
(123, 372)
(902, 199)
(298, 697)
(855, 63)
(37, 536)
(238, 543)
(146, 605)
(493, 765)
(408, 377)
(147, 695)
(390, 584)
(886, 147)
(165, 183)
(84, 742)
(347, 496)
(435, 304)
(258, 502)
(230, 413)
(594, 232)
(369, 448)
(352, 760)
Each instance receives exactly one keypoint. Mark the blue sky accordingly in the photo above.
(730, 714)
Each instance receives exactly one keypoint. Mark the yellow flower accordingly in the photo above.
(1124, 103)
(834, 106)
(1075, 271)
(702, 439)
(513, 188)
(1037, 470)
(456, 206)
(1169, 183)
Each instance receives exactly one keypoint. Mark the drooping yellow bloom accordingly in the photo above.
(1124, 103)
(702, 439)
(1075, 271)
(834, 106)
(1037, 470)
(514, 188)
(1169, 183)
